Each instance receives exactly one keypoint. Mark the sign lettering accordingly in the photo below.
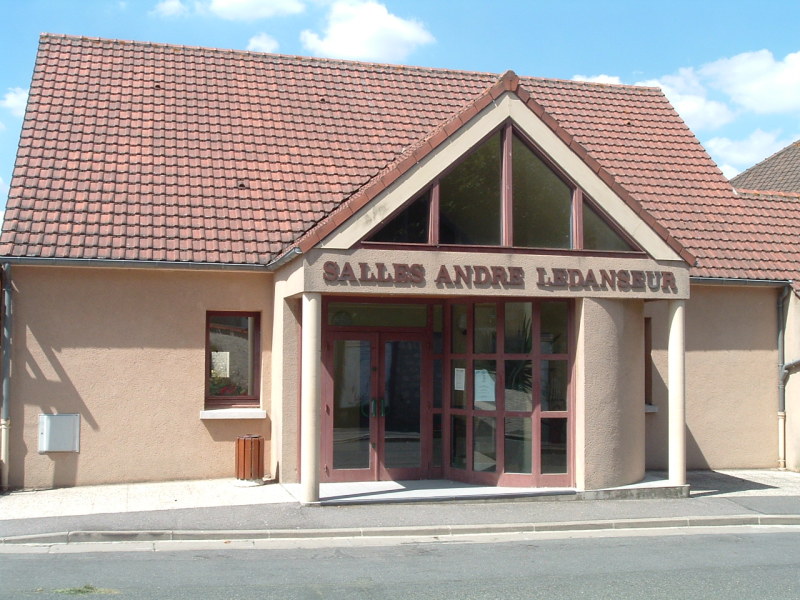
(498, 276)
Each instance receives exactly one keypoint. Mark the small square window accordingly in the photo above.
(232, 359)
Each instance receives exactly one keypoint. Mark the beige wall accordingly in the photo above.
(731, 379)
(126, 350)
(609, 411)
(792, 353)
(285, 453)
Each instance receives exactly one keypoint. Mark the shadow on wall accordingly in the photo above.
(228, 431)
(56, 394)
(657, 433)
(694, 455)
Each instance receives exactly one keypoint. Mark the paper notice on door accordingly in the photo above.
(484, 386)
(459, 377)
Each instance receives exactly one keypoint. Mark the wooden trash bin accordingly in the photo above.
(250, 457)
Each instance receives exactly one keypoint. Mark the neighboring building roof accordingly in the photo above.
(138, 151)
(778, 173)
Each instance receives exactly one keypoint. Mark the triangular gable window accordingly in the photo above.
(470, 198)
(503, 194)
(410, 226)
(599, 235)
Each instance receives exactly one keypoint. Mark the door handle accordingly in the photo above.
(377, 407)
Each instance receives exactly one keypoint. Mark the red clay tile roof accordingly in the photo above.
(761, 242)
(778, 173)
(153, 152)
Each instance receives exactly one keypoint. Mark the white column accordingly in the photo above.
(311, 359)
(676, 384)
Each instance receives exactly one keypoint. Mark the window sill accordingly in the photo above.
(233, 413)
(650, 408)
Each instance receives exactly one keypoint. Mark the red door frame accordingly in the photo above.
(425, 336)
(377, 471)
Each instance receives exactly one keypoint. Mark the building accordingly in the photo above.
(386, 272)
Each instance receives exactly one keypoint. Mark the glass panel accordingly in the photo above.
(598, 235)
(436, 458)
(519, 385)
(485, 385)
(231, 343)
(358, 314)
(542, 202)
(469, 198)
(409, 226)
(554, 445)
(518, 445)
(351, 398)
(438, 329)
(458, 441)
(484, 452)
(458, 333)
(554, 328)
(458, 382)
(485, 339)
(401, 403)
(437, 383)
(554, 385)
(518, 327)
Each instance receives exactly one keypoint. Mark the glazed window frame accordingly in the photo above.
(509, 137)
(252, 397)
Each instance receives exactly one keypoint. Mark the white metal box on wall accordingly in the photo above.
(59, 433)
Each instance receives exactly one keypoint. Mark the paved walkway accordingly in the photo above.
(230, 509)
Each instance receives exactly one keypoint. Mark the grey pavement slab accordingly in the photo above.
(716, 496)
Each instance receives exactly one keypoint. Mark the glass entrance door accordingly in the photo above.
(373, 406)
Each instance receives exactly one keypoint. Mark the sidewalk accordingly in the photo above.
(227, 509)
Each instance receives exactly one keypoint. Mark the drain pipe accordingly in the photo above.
(5, 349)
(783, 375)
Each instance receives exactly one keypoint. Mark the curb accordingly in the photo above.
(78, 537)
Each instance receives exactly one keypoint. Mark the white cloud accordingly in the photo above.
(249, 10)
(602, 78)
(3, 188)
(170, 8)
(2, 126)
(747, 152)
(262, 42)
(689, 97)
(729, 171)
(15, 101)
(366, 30)
(758, 82)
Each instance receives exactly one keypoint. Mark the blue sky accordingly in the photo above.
(731, 68)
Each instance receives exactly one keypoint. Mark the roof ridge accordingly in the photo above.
(768, 192)
(339, 61)
(297, 57)
(596, 84)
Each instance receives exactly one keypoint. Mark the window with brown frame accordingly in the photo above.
(232, 359)
(504, 193)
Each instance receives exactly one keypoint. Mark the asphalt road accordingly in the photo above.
(744, 562)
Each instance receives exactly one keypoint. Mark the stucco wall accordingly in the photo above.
(731, 381)
(792, 353)
(126, 350)
(610, 380)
